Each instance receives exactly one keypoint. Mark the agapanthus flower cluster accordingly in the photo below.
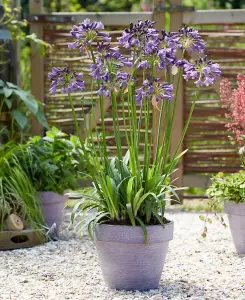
(67, 80)
(86, 32)
(154, 89)
(203, 70)
(149, 50)
(233, 101)
(107, 69)
(140, 36)
(186, 39)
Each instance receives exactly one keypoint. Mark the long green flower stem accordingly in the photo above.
(165, 146)
(102, 113)
(166, 154)
(76, 122)
(172, 163)
(80, 136)
(116, 126)
(131, 128)
(158, 134)
(146, 148)
(124, 120)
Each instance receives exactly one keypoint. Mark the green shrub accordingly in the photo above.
(229, 188)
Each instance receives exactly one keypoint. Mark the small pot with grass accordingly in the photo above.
(20, 209)
(55, 164)
(125, 213)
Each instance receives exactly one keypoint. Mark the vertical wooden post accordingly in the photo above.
(37, 64)
(16, 45)
(176, 18)
(159, 18)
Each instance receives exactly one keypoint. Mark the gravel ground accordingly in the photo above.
(195, 268)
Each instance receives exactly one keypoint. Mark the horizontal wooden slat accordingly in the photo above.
(221, 16)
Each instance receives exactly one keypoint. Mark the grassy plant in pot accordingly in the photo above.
(231, 188)
(54, 164)
(21, 214)
(130, 230)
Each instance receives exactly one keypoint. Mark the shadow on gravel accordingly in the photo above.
(182, 289)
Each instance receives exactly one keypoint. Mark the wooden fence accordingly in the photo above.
(207, 139)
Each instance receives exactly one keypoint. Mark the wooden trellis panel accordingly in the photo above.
(210, 150)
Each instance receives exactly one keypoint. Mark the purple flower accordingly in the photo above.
(204, 71)
(86, 32)
(69, 81)
(108, 62)
(104, 91)
(122, 78)
(140, 36)
(186, 39)
(99, 70)
(144, 64)
(153, 88)
(167, 57)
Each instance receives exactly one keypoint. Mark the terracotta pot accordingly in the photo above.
(236, 217)
(53, 205)
(128, 263)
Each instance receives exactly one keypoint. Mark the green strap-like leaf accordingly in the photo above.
(142, 225)
(130, 189)
(130, 213)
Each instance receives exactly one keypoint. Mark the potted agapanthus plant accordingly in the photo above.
(130, 230)
(231, 188)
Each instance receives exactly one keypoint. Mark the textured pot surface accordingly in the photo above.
(236, 217)
(128, 263)
(53, 205)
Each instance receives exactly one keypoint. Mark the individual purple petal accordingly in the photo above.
(73, 45)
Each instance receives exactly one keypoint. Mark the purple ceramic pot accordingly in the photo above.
(236, 217)
(128, 263)
(53, 205)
